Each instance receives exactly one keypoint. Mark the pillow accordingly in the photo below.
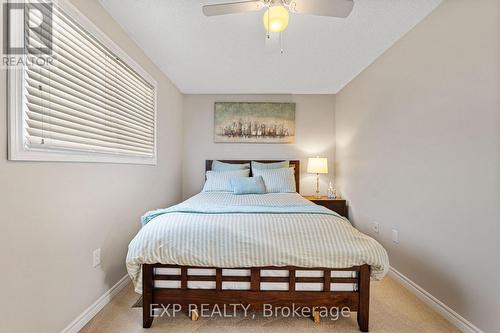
(277, 180)
(220, 181)
(221, 166)
(275, 165)
(248, 185)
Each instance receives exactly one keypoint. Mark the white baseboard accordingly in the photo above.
(76, 325)
(460, 322)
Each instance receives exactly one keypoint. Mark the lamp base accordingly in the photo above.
(317, 195)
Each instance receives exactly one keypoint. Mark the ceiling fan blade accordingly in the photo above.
(335, 8)
(232, 7)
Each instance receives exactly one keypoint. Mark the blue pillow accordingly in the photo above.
(277, 180)
(221, 166)
(248, 185)
(274, 165)
(220, 181)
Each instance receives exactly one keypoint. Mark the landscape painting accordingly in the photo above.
(254, 122)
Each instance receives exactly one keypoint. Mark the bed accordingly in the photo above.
(258, 250)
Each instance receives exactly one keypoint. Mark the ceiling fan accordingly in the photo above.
(276, 16)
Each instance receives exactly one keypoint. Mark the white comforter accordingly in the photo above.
(214, 229)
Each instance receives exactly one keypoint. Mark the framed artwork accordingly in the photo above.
(254, 122)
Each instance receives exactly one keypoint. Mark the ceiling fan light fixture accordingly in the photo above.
(276, 19)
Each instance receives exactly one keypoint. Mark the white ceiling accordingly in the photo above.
(229, 54)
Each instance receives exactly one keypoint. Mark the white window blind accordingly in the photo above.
(88, 102)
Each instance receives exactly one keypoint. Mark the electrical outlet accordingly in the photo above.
(395, 236)
(376, 227)
(96, 257)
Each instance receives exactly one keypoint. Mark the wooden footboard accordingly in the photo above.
(356, 300)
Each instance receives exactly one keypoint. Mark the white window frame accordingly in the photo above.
(16, 96)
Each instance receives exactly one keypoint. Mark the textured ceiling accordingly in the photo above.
(229, 54)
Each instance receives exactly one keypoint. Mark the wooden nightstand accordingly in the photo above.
(337, 205)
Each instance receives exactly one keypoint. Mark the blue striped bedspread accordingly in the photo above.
(216, 229)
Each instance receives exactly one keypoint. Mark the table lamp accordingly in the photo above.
(317, 165)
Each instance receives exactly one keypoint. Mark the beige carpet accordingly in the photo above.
(393, 309)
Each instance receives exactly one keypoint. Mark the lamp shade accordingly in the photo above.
(317, 165)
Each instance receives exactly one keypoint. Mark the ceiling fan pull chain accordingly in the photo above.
(268, 29)
(282, 43)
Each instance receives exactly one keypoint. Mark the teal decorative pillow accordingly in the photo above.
(274, 165)
(221, 166)
(248, 185)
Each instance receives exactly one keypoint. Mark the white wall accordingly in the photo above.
(54, 214)
(315, 125)
(418, 149)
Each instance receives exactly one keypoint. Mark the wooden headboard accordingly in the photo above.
(294, 163)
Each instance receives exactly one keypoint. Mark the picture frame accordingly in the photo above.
(254, 122)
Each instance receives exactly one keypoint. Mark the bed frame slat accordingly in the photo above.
(226, 278)
(218, 279)
(327, 279)
(255, 279)
(184, 280)
(291, 280)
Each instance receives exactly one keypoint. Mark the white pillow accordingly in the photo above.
(220, 181)
(277, 180)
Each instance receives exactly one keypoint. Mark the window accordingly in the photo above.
(84, 101)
